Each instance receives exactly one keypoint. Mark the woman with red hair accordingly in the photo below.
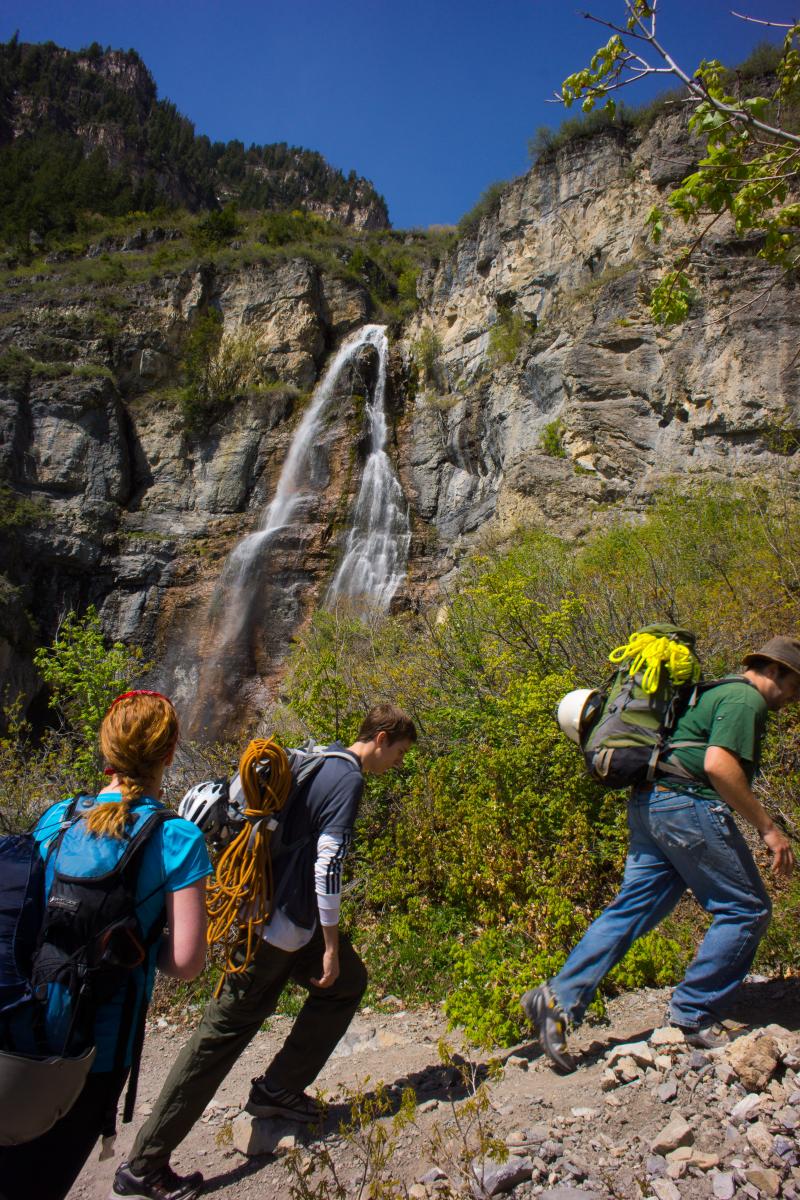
(138, 737)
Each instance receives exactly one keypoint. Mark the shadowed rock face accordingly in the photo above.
(139, 515)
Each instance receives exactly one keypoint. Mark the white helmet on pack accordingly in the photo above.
(206, 805)
(573, 711)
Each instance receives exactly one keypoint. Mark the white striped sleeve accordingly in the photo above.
(331, 852)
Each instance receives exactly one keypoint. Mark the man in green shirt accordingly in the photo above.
(683, 835)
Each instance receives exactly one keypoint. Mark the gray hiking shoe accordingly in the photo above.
(707, 1036)
(550, 1022)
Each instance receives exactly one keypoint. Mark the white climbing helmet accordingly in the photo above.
(206, 805)
(573, 710)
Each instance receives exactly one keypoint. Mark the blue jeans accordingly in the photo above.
(677, 841)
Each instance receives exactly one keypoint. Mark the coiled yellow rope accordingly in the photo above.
(240, 893)
(649, 654)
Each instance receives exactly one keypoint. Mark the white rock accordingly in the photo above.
(760, 1139)
(491, 1178)
(665, 1189)
(704, 1160)
(255, 1136)
(746, 1107)
(668, 1035)
(723, 1185)
(677, 1133)
(626, 1069)
(640, 1052)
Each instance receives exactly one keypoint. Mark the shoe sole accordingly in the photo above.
(192, 1194)
(277, 1110)
(561, 1060)
(115, 1195)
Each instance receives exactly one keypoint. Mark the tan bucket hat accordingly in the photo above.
(783, 650)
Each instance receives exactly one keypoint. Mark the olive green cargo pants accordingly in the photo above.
(230, 1023)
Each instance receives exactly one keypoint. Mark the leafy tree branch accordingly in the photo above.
(750, 166)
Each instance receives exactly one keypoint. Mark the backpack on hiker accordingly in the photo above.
(70, 941)
(624, 727)
(246, 820)
(217, 806)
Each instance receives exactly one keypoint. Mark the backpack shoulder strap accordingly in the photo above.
(130, 1019)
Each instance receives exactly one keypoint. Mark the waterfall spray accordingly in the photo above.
(375, 555)
(372, 564)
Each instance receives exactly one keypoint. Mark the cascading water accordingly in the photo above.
(249, 599)
(294, 493)
(375, 555)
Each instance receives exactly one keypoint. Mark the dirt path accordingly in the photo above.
(590, 1133)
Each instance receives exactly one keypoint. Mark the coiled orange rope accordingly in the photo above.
(240, 894)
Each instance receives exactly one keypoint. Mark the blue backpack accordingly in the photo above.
(72, 946)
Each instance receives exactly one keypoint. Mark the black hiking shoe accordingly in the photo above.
(707, 1036)
(160, 1184)
(266, 1101)
(550, 1022)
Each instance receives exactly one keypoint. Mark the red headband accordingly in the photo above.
(140, 692)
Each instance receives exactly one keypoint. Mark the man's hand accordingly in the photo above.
(726, 776)
(330, 957)
(780, 847)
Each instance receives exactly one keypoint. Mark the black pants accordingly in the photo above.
(230, 1023)
(47, 1167)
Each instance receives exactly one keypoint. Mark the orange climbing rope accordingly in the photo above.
(239, 896)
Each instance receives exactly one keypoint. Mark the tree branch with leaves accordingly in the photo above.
(750, 167)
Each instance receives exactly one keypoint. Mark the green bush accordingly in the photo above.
(508, 335)
(282, 228)
(18, 511)
(217, 229)
(425, 353)
(215, 370)
(84, 675)
(551, 440)
(460, 861)
(546, 142)
(488, 206)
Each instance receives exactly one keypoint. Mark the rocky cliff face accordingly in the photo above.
(530, 385)
(552, 395)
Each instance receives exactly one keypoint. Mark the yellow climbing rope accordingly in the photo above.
(648, 653)
(238, 897)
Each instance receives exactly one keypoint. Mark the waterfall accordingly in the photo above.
(256, 607)
(374, 560)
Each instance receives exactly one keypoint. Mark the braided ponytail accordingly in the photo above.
(137, 735)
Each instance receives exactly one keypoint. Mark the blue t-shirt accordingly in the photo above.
(173, 857)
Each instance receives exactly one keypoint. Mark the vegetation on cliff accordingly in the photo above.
(84, 132)
(478, 867)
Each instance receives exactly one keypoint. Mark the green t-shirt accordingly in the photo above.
(732, 715)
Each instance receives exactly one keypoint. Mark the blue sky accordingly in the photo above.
(433, 101)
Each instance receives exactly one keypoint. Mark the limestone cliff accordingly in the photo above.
(529, 385)
(551, 395)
